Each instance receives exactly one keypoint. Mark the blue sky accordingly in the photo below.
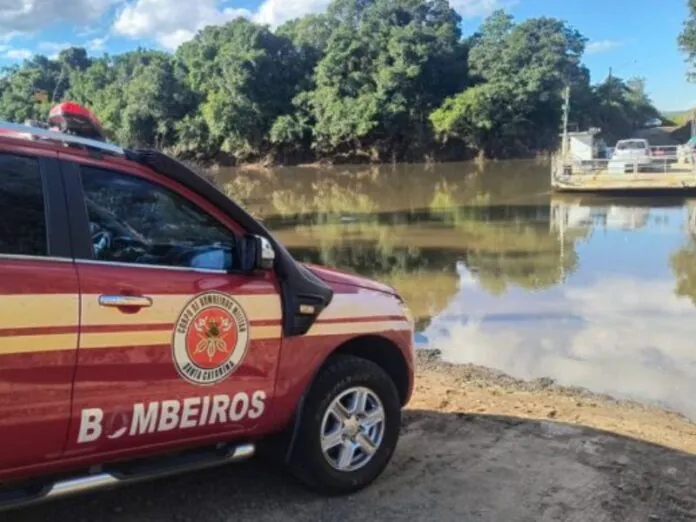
(635, 38)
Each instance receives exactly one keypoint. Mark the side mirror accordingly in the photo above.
(257, 253)
(267, 257)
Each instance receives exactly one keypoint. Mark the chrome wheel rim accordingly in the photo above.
(352, 429)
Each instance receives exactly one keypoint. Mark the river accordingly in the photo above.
(589, 291)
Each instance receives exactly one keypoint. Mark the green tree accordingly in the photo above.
(139, 96)
(26, 90)
(244, 77)
(687, 39)
(619, 107)
(519, 72)
(382, 74)
(368, 80)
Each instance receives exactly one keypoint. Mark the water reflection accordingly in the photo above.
(594, 292)
(620, 334)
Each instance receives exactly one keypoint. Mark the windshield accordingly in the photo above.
(631, 145)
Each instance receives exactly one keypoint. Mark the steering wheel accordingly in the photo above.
(128, 248)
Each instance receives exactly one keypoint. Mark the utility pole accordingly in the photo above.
(566, 110)
(558, 165)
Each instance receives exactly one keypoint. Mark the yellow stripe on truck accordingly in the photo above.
(159, 337)
(358, 328)
(166, 309)
(37, 343)
(38, 310)
(362, 304)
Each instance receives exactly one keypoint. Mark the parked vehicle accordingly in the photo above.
(633, 152)
(149, 326)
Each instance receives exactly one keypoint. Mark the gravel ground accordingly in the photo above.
(476, 445)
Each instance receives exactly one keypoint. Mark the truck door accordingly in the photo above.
(39, 312)
(175, 345)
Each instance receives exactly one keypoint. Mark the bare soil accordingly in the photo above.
(477, 445)
(449, 388)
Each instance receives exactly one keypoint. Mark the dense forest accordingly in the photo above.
(368, 80)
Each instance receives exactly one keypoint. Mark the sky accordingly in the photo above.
(634, 38)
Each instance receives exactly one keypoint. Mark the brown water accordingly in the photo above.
(589, 291)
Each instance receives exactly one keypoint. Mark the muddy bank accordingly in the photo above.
(455, 388)
(476, 445)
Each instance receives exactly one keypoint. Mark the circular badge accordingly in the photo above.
(211, 337)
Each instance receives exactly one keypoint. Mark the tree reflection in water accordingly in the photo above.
(683, 261)
(409, 225)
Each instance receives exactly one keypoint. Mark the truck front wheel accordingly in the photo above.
(349, 429)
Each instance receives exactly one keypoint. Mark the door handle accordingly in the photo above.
(122, 301)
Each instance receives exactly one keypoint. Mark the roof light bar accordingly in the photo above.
(73, 118)
(27, 132)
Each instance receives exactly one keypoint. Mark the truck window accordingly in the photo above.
(631, 145)
(133, 220)
(22, 218)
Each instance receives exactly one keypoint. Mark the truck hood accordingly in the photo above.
(333, 276)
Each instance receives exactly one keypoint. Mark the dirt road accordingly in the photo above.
(459, 460)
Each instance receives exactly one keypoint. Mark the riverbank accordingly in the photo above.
(270, 162)
(471, 389)
(476, 445)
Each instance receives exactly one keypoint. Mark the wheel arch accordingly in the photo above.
(372, 347)
(384, 353)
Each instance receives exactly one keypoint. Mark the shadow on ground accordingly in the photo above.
(448, 467)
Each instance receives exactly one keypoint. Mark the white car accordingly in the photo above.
(633, 152)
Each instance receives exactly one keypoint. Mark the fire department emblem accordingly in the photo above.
(211, 338)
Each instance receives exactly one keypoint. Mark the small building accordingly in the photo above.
(583, 146)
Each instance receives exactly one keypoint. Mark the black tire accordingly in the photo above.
(308, 462)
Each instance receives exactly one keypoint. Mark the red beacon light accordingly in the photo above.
(73, 118)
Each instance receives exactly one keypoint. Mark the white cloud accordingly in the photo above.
(171, 23)
(619, 335)
(18, 54)
(276, 12)
(88, 31)
(174, 39)
(477, 8)
(25, 16)
(602, 46)
(9, 35)
(53, 48)
(97, 44)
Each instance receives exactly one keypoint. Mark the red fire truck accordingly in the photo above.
(149, 326)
